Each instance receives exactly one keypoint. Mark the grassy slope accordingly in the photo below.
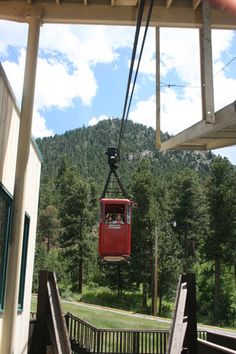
(102, 318)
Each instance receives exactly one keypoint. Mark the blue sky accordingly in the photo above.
(82, 75)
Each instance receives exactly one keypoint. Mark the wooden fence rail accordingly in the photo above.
(89, 339)
(86, 338)
(108, 341)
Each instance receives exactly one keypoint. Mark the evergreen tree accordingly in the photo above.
(143, 227)
(191, 215)
(75, 239)
(220, 243)
(48, 226)
(169, 251)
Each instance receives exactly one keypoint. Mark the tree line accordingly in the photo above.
(195, 218)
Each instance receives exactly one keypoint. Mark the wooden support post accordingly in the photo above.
(13, 271)
(40, 338)
(183, 334)
(158, 91)
(190, 340)
(208, 109)
(50, 332)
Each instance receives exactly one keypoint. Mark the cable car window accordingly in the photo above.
(128, 214)
(114, 213)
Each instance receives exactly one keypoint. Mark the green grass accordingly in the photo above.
(130, 301)
(102, 318)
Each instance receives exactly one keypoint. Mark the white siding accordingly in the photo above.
(32, 194)
(9, 129)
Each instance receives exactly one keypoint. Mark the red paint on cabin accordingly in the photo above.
(115, 235)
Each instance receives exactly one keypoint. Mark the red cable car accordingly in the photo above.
(115, 229)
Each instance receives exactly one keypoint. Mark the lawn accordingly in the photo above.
(102, 318)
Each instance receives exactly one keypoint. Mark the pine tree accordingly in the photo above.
(49, 226)
(142, 228)
(75, 239)
(169, 251)
(220, 245)
(191, 215)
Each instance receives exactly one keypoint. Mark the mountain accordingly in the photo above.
(85, 148)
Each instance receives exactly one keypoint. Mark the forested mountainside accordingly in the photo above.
(189, 197)
(85, 148)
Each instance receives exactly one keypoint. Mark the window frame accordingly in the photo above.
(6, 239)
(24, 255)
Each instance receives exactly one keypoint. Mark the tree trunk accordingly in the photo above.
(48, 244)
(80, 285)
(144, 294)
(217, 303)
(235, 275)
(160, 300)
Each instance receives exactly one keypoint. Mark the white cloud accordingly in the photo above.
(56, 87)
(224, 91)
(66, 59)
(68, 55)
(221, 41)
(180, 63)
(13, 34)
(180, 52)
(144, 112)
(39, 129)
(176, 113)
(90, 44)
(95, 120)
(15, 74)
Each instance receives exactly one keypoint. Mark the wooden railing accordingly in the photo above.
(90, 339)
(206, 347)
(49, 331)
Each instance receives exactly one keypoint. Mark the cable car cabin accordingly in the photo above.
(115, 229)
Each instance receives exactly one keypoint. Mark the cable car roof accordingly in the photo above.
(115, 201)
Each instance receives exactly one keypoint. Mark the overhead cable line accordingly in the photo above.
(225, 66)
(179, 85)
(139, 61)
(163, 84)
(137, 31)
(126, 108)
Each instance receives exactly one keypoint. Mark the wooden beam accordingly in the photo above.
(158, 90)
(180, 15)
(207, 65)
(196, 3)
(168, 3)
(203, 136)
(125, 2)
(9, 325)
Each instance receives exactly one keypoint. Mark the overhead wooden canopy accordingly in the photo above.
(216, 129)
(170, 13)
(205, 136)
(166, 13)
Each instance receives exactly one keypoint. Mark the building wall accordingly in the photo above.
(9, 129)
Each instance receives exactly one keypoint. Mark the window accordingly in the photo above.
(23, 262)
(128, 214)
(5, 223)
(115, 212)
